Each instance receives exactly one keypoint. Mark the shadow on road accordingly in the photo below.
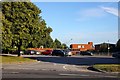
(78, 60)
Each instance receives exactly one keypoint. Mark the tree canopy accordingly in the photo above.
(23, 27)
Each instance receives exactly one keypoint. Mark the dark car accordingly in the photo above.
(116, 55)
(58, 53)
(47, 52)
(86, 53)
(16, 52)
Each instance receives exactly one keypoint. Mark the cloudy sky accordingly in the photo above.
(81, 22)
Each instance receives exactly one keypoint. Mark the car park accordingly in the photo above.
(86, 53)
(116, 55)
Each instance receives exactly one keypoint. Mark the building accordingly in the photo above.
(82, 47)
(105, 47)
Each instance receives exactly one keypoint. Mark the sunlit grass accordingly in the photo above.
(11, 59)
(108, 67)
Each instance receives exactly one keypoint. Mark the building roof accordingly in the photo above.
(104, 43)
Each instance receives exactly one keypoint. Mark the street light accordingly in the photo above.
(68, 42)
(108, 48)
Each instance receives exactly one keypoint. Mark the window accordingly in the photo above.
(83, 47)
(79, 46)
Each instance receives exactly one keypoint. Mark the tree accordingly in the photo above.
(57, 44)
(118, 45)
(103, 47)
(22, 25)
(64, 46)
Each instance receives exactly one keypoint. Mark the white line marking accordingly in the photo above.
(110, 76)
(68, 74)
(54, 64)
(38, 61)
(64, 67)
(84, 75)
(14, 72)
(44, 69)
(62, 74)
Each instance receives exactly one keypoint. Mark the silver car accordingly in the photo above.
(68, 52)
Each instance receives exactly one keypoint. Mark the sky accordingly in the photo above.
(81, 22)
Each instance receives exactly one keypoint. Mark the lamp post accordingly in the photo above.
(68, 42)
(108, 48)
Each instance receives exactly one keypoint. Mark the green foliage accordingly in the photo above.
(57, 43)
(24, 28)
(20, 22)
(118, 45)
(103, 47)
(22, 25)
(64, 46)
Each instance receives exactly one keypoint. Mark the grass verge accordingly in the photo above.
(11, 59)
(107, 67)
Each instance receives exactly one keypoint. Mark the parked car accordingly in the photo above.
(116, 55)
(58, 53)
(67, 52)
(47, 52)
(16, 52)
(37, 52)
(31, 52)
(86, 53)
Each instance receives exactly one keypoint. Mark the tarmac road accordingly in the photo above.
(59, 67)
(32, 73)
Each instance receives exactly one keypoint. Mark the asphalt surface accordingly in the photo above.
(59, 67)
(19, 73)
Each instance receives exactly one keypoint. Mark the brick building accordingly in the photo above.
(82, 47)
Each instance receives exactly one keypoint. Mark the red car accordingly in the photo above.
(47, 52)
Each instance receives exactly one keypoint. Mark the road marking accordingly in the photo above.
(73, 65)
(110, 76)
(67, 74)
(38, 61)
(44, 69)
(62, 74)
(64, 67)
(25, 68)
(54, 64)
(14, 72)
(84, 75)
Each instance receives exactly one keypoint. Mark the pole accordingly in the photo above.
(108, 48)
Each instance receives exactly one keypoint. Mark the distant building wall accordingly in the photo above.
(83, 47)
(100, 47)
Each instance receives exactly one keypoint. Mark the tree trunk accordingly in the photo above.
(19, 47)
(19, 51)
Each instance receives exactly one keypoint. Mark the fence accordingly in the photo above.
(103, 53)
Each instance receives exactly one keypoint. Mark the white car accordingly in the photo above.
(68, 52)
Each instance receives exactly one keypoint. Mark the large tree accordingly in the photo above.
(23, 27)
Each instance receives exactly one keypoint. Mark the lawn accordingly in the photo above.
(11, 59)
(108, 67)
